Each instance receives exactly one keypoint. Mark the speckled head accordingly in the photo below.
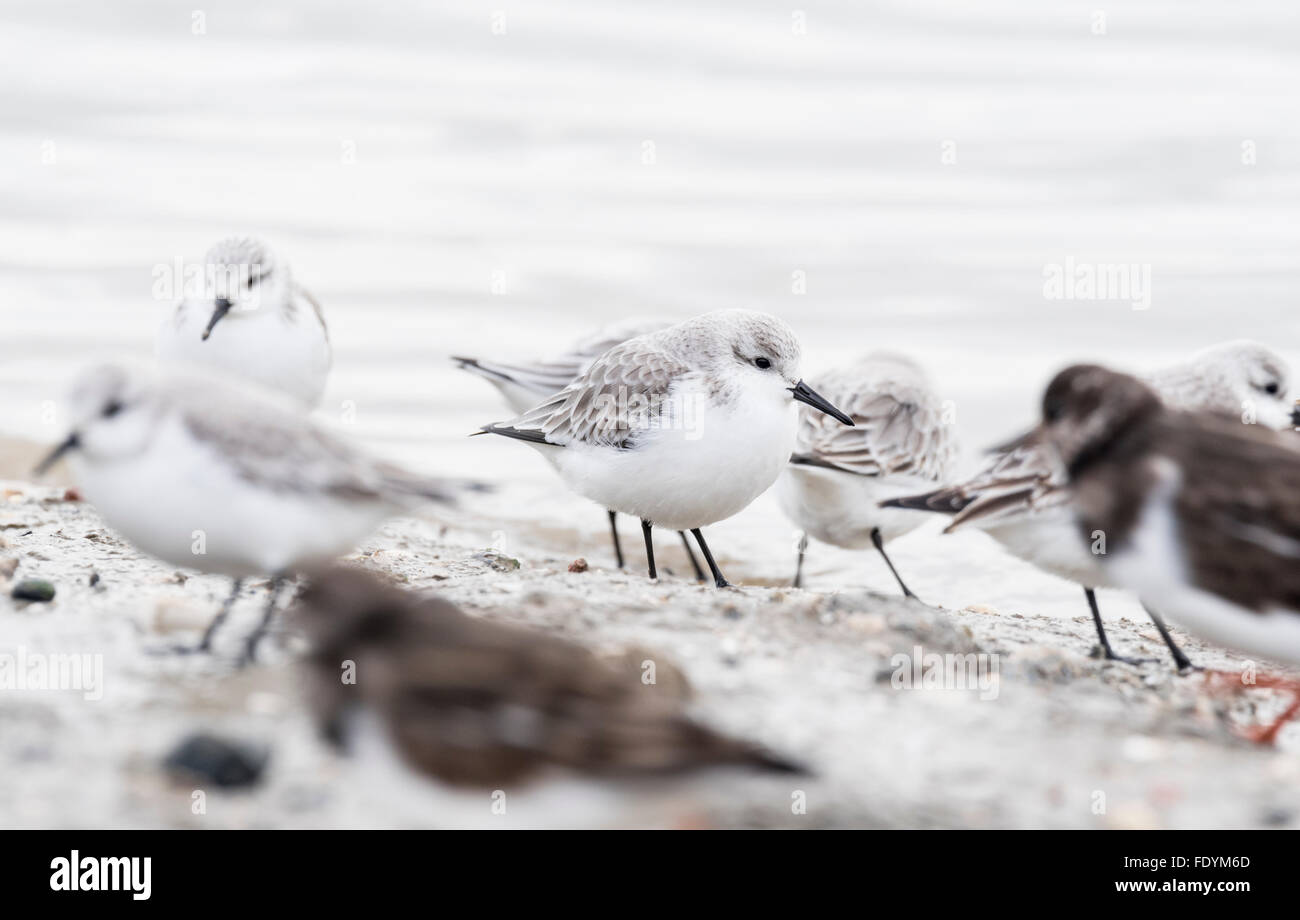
(745, 348)
(1242, 378)
(243, 275)
(112, 412)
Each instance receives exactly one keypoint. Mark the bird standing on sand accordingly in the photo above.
(682, 427)
(1021, 500)
(1200, 514)
(525, 384)
(207, 475)
(838, 476)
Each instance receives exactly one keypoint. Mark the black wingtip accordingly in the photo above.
(943, 501)
(774, 763)
(519, 434)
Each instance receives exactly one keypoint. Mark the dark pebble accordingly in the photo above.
(33, 589)
(228, 764)
(1277, 817)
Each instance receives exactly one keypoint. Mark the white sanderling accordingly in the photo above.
(208, 475)
(471, 702)
(682, 427)
(252, 322)
(1020, 498)
(1201, 514)
(838, 476)
(526, 383)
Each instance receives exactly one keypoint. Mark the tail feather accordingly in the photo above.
(542, 378)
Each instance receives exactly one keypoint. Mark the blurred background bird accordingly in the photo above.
(250, 321)
(838, 476)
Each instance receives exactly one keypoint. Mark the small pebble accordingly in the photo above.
(578, 565)
(33, 589)
(498, 561)
(8, 567)
(207, 758)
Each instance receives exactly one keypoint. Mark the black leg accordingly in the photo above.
(1181, 661)
(879, 543)
(708, 557)
(1107, 652)
(205, 644)
(273, 594)
(613, 532)
(649, 547)
(695, 563)
(798, 564)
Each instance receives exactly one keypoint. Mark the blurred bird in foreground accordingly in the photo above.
(524, 384)
(470, 702)
(224, 479)
(1021, 499)
(838, 476)
(1201, 514)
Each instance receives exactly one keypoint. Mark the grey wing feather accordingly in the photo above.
(283, 451)
(552, 375)
(1012, 484)
(893, 433)
(601, 407)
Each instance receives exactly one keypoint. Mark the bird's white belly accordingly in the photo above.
(682, 479)
(1051, 540)
(1153, 564)
(842, 509)
(178, 502)
(260, 347)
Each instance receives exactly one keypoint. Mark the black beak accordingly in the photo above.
(1295, 416)
(806, 394)
(71, 442)
(223, 307)
(1007, 446)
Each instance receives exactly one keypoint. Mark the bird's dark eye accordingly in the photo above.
(1272, 389)
(1052, 411)
(762, 363)
(112, 409)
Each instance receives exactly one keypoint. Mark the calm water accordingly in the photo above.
(444, 186)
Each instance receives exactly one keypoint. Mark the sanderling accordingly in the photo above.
(1199, 513)
(838, 476)
(682, 427)
(525, 384)
(471, 702)
(208, 475)
(1021, 500)
(251, 321)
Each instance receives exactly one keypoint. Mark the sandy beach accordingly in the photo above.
(1046, 736)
